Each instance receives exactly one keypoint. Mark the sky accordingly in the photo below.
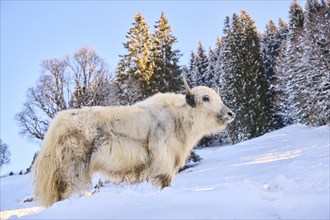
(32, 31)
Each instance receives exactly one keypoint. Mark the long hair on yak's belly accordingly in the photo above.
(146, 141)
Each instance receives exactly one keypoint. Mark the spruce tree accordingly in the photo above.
(226, 77)
(283, 30)
(198, 67)
(191, 75)
(270, 46)
(136, 67)
(166, 75)
(296, 19)
(305, 67)
(290, 73)
(315, 107)
(243, 84)
(202, 63)
(213, 70)
(277, 88)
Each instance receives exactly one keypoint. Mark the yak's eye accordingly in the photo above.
(206, 98)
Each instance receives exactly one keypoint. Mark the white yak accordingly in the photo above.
(149, 140)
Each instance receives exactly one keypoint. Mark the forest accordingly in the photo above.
(270, 79)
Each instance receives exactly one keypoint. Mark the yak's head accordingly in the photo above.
(208, 104)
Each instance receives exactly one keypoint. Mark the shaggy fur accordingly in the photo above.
(146, 141)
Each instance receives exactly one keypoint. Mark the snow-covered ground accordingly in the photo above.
(281, 175)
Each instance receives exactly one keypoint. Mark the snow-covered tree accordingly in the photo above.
(304, 66)
(276, 89)
(198, 68)
(270, 47)
(243, 84)
(213, 70)
(288, 67)
(188, 71)
(296, 20)
(201, 68)
(315, 108)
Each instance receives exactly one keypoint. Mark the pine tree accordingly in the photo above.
(190, 75)
(166, 75)
(305, 68)
(226, 26)
(289, 69)
(277, 88)
(296, 19)
(244, 86)
(283, 29)
(187, 70)
(202, 63)
(270, 46)
(127, 89)
(315, 107)
(204, 70)
(217, 67)
(213, 69)
(136, 67)
(198, 67)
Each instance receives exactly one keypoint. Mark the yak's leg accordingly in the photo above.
(162, 180)
(163, 167)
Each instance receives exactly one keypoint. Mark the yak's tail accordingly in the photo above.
(47, 181)
(61, 168)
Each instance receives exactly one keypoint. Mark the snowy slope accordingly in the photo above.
(283, 174)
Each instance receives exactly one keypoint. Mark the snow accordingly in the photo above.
(281, 175)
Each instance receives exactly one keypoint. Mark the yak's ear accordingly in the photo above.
(190, 98)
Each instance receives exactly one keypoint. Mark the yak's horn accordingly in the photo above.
(186, 85)
(216, 88)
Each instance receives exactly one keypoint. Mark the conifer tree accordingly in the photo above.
(202, 63)
(289, 69)
(198, 67)
(304, 67)
(276, 87)
(213, 70)
(296, 19)
(244, 86)
(166, 75)
(315, 106)
(270, 46)
(136, 67)
(189, 70)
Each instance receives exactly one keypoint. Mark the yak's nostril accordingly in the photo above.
(231, 114)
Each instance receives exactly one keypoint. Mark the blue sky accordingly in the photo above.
(32, 31)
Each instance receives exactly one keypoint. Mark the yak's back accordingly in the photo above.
(163, 100)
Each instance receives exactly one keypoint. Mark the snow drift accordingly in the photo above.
(283, 174)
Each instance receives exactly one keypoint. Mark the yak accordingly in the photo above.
(147, 141)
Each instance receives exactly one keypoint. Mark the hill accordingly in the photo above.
(281, 175)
